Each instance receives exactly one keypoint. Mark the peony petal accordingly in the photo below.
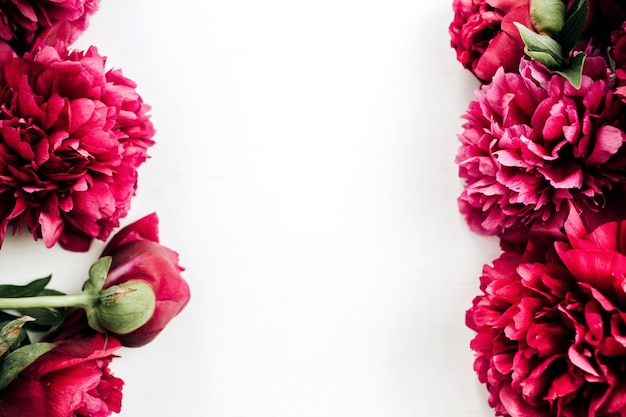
(563, 385)
(608, 141)
(503, 51)
(603, 270)
(20, 392)
(563, 175)
(515, 405)
(51, 222)
(581, 362)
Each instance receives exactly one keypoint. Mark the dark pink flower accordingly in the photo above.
(484, 37)
(71, 380)
(605, 16)
(618, 54)
(533, 143)
(551, 326)
(71, 138)
(138, 256)
(21, 21)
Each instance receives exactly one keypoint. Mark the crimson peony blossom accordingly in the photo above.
(484, 36)
(71, 380)
(21, 21)
(71, 138)
(138, 256)
(532, 144)
(551, 325)
(604, 17)
(618, 54)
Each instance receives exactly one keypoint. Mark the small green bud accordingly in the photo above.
(123, 308)
(547, 16)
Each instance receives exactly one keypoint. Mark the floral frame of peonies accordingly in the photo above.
(543, 165)
(72, 135)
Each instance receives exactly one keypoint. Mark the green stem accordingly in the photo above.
(47, 301)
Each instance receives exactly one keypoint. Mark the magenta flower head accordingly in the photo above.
(605, 16)
(71, 138)
(72, 379)
(21, 21)
(137, 256)
(618, 55)
(533, 143)
(484, 37)
(551, 325)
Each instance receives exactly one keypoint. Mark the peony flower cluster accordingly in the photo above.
(72, 136)
(22, 21)
(550, 325)
(67, 373)
(542, 159)
(485, 38)
(73, 379)
(533, 144)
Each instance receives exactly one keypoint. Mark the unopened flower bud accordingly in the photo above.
(547, 16)
(125, 307)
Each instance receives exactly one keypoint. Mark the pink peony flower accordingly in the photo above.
(22, 21)
(605, 16)
(71, 138)
(138, 256)
(532, 144)
(550, 323)
(71, 380)
(484, 37)
(618, 54)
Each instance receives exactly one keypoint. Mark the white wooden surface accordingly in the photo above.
(305, 172)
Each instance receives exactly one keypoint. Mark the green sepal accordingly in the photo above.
(93, 319)
(126, 307)
(97, 275)
(542, 48)
(29, 290)
(574, 25)
(11, 333)
(573, 72)
(547, 16)
(612, 64)
(18, 360)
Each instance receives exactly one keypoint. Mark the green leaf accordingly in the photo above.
(611, 62)
(29, 290)
(6, 317)
(546, 59)
(45, 317)
(574, 71)
(541, 47)
(11, 333)
(18, 360)
(574, 25)
(577, 5)
(97, 275)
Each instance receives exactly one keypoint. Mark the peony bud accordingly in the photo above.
(126, 307)
(134, 290)
(137, 255)
(547, 16)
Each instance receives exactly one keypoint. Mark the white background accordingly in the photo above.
(304, 170)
